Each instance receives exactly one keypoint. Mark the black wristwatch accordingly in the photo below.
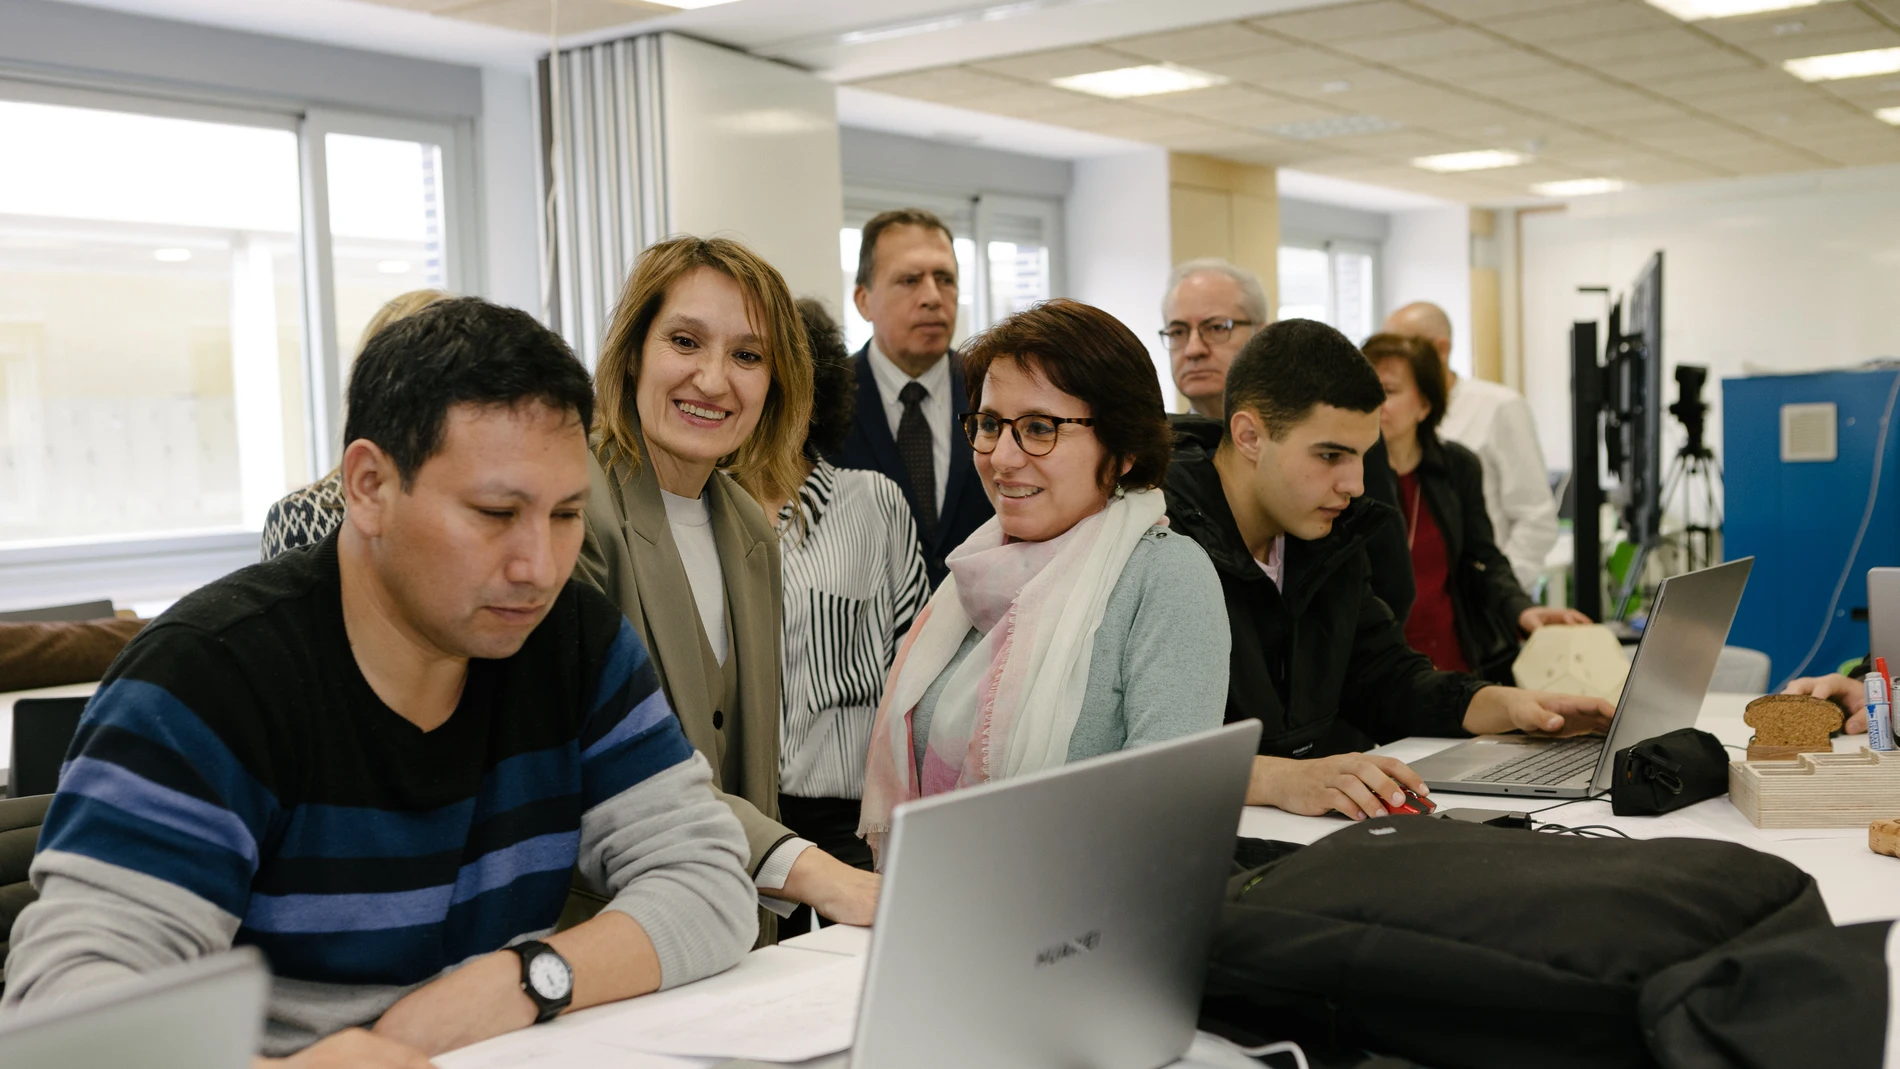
(546, 977)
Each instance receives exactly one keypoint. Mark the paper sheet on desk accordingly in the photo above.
(786, 1019)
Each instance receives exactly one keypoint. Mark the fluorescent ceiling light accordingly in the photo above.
(689, 5)
(1579, 187)
(1697, 10)
(1148, 80)
(1481, 160)
(1338, 126)
(1844, 65)
(1891, 115)
(171, 256)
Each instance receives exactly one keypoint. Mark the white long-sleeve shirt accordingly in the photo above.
(1494, 422)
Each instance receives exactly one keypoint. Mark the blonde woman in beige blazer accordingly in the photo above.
(704, 385)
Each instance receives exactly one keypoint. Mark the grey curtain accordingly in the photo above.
(602, 178)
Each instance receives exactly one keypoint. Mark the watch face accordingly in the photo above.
(549, 976)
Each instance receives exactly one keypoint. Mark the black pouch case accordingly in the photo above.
(1668, 772)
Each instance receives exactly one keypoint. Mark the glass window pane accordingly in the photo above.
(151, 364)
(856, 330)
(1305, 284)
(1018, 263)
(385, 228)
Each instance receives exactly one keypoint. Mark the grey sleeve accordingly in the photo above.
(1175, 663)
(673, 857)
(96, 923)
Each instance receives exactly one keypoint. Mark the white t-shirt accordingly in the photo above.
(1493, 421)
(1275, 564)
(691, 521)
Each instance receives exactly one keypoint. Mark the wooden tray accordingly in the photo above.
(1830, 790)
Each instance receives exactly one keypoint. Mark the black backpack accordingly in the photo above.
(1464, 946)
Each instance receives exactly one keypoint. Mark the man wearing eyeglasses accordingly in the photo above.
(1212, 309)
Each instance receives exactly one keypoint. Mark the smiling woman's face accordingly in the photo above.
(703, 381)
(1039, 498)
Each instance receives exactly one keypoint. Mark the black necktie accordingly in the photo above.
(914, 445)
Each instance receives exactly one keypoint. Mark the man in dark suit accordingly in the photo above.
(911, 393)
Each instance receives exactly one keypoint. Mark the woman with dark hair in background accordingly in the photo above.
(1470, 609)
(854, 581)
(1073, 623)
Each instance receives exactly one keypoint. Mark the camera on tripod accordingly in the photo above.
(1689, 408)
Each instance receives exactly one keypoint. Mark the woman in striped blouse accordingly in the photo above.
(854, 581)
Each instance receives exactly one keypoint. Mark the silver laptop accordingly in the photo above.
(1667, 682)
(205, 1014)
(1063, 918)
(1883, 614)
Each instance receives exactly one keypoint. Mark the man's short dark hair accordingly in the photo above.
(834, 382)
(456, 352)
(1293, 367)
(882, 221)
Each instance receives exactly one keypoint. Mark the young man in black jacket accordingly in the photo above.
(1275, 497)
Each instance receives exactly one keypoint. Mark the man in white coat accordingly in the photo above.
(1493, 421)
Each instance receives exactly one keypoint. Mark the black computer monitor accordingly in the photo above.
(1633, 403)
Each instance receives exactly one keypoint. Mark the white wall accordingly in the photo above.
(1116, 219)
(752, 154)
(1427, 257)
(1789, 272)
(511, 244)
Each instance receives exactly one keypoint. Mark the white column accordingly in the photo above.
(257, 392)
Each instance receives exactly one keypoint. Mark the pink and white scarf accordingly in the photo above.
(1010, 707)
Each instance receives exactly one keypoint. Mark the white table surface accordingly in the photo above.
(1856, 883)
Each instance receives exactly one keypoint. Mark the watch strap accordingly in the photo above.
(546, 1009)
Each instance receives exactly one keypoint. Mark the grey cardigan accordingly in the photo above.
(1159, 666)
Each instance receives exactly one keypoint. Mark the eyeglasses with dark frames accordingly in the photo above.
(1035, 433)
(1213, 332)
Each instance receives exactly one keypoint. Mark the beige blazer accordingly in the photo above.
(629, 554)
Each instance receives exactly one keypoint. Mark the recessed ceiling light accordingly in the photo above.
(1148, 80)
(1337, 126)
(171, 256)
(1891, 115)
(1697, 10)
(1481, 160)
(1579, 187)
(393, 267)
(1844, 65)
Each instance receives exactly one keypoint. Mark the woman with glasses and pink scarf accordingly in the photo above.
(1074, 623)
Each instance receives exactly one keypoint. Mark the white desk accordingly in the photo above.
(72, 690)
(1857, 884)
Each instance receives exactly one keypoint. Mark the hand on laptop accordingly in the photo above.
(352, 1048)
(1495, 710)
(1850, 694)
(1539, 616)
(836, 890)
(1358, 785)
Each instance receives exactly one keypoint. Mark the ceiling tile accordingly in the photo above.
(1643, 69)
(1055, 63)
(1761, 161)
(1654, 171)
(1775, 50)
(1345, 92)
(1592, 20)
(1239, 105)
(1717, 85)
(577, 16)
(1401, 144)
(1791, 24)
(1459, 69)
(1201, 43)
(1552, 80)
(1298, 67)
(1667, 42)
(1345, 22)
(1485, 10)
(1426, 45)
(1602, 109)
(1864, 92)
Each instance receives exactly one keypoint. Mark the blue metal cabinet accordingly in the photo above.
(1798, 518)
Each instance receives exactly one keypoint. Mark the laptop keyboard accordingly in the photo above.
(1546, 765)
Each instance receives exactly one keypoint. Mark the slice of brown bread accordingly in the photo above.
(1794, 720)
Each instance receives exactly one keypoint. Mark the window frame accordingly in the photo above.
(116, 560)
(1333, 247)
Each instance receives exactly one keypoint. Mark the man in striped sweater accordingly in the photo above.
(380, 759)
